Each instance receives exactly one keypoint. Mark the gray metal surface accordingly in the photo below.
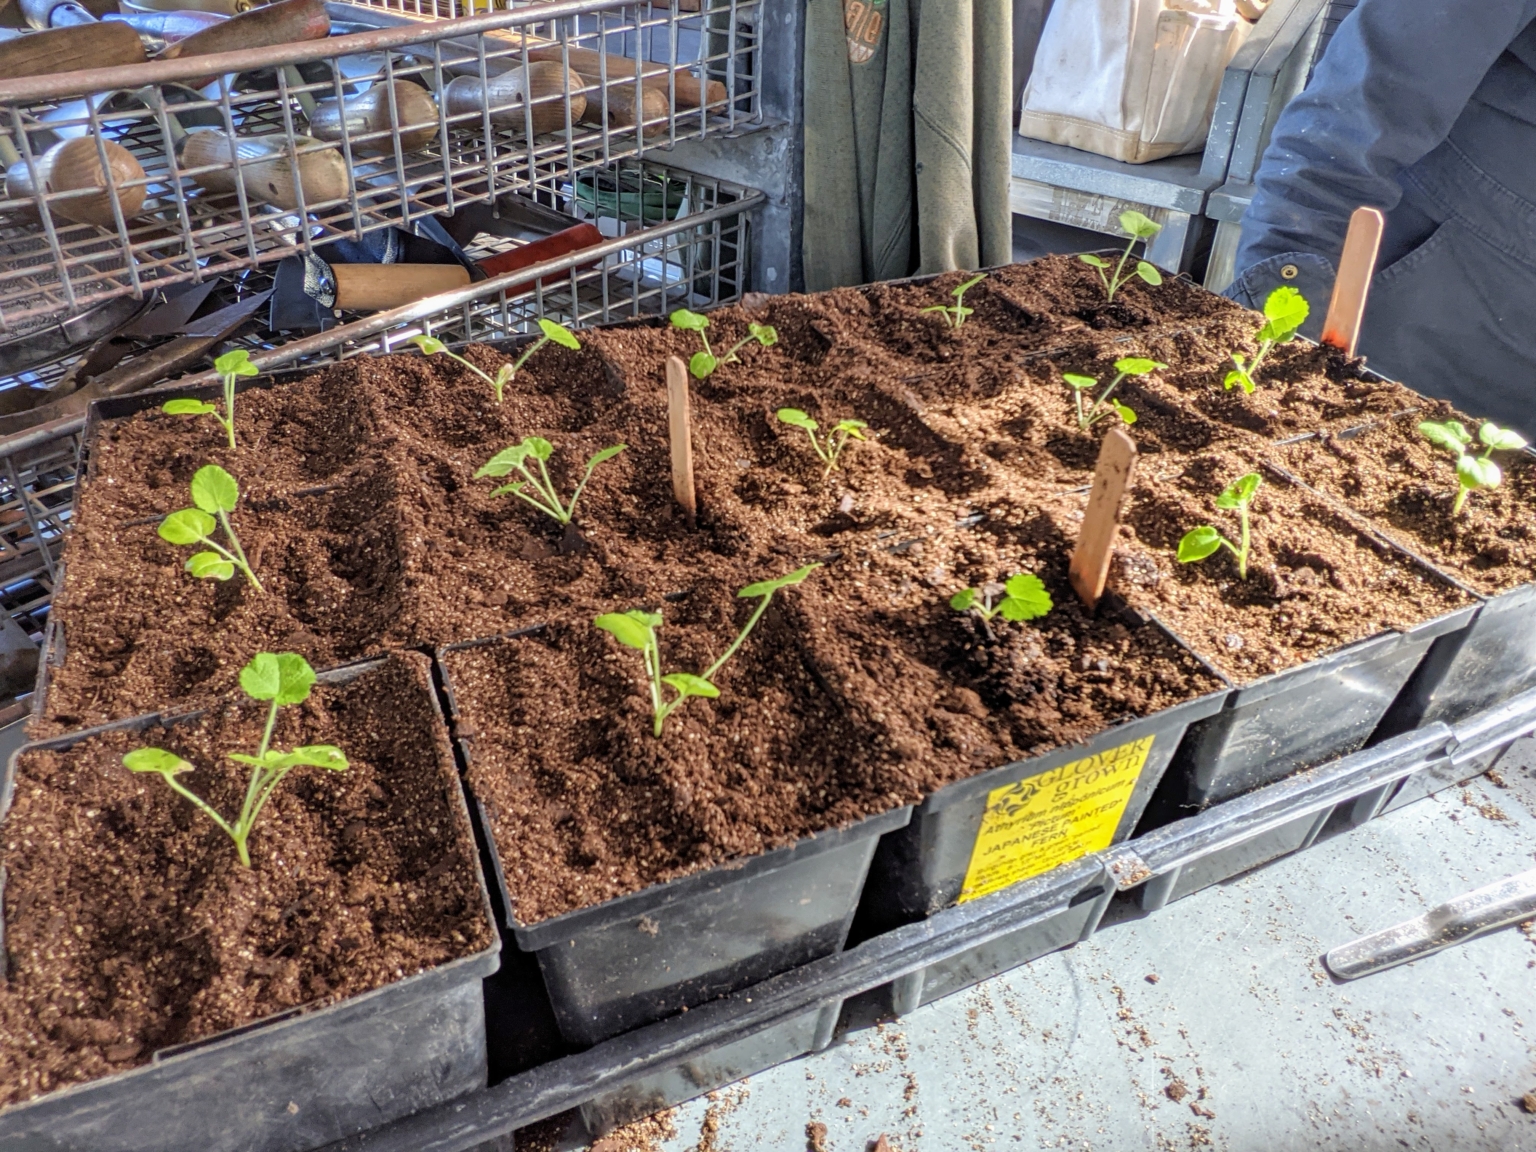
(1242, 1043)
(1175, 183)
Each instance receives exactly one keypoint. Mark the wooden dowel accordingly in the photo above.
(1090, 562)
(679, 427)
(1357, 265)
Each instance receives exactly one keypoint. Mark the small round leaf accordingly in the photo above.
(235, 363)
(1198, 544)
(768, 587)
(1134, 223)
(1149, 272)
(1090, 258)
(155, 760)
(262, 678)
(1027, 598)
(504, 461)
(625, 629)
(691, 321)
(319, 756)
(1500, 439)
(1451, 435)
(558, 333)
(188, 526)
(1239, 377)
(214, 490)
(538, 447)
(796, 417)
(295, 678)
(701, 364)
(1137, 366)
(187, 407)
(210, 566)
(1477, 473)
(1079, 382)
(428, 344)
(963, 599)
(689, 685)
(1127, 414)
(765, 334)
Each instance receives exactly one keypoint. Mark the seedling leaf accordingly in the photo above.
(214, 490)
(262, 677)
(504, 461)
(1285, 311)
(765, 334)
(1027, 598)
(688, 684)
(1476, 472)
(1239, 492)
(1500, 439)
(963, 599)
(1135, 224)
(701, 364)
(1124, 412)
(235, 363)
(155, 760)
(1137, 366)
(1452, 435)
(769, 587)
(626, 629)
(428, 344)
(605, 454)
(187, 407)
(559, 333)
(798, 418)
(1198, 543)
(1079, 382)
(189, 526)
(210, 566)
(852, 428)
(1095, 261)
(1148, 272)
(318, 756)
(691, 321)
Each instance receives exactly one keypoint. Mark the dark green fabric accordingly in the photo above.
(908, 112)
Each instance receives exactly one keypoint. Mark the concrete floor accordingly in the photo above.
(1210, 1024)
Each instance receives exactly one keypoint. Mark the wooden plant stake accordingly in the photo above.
(679, 427)
(1357, 265)
(1090, 562)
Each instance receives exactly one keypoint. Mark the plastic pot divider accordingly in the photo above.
(288, 1083)
(638, 958)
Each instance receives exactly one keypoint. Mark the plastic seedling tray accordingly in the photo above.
(1500, 737)
(638, 958)
(291, 1082)
(1283, 723)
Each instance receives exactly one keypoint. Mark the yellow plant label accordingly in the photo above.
(1033, 825)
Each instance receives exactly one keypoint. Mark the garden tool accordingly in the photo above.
(540, 83)
(269, 174)
(85, 46)
(367, 114)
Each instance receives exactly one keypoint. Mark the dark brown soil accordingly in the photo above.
(1407, 487)
(130, 925)
(1314, 582)
(860, 690)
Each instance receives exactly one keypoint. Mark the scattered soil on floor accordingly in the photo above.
(131, 926)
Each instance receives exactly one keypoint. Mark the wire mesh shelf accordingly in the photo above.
(158, 174)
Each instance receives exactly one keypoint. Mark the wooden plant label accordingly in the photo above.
(679, 427)
(1357, 265)
(1090, 562)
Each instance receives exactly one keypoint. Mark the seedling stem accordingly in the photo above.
(1285, 310)
(559, 333)
(836, 440)
(1138, 227)
(214, 494)
(544, 496)
(1130, 366)
(230, 367)
(701, 364)
(955, 314)
(1198, 543)
(1472, 471)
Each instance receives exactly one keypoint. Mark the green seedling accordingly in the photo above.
(1138, 227)
(1285, 311)
(281, 678)
(955, 314)
(1472, 472)
(830, 449)
(558, 333)
(638, 630)
(543, 495)
(214, 494)
(1024, 598)
(1106, 402)
(230, 367)
(701, 364)
(1201, 542)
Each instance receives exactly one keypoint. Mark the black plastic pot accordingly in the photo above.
(291, 1082)
(641, 957)
(1500, 737)
(1296, 719)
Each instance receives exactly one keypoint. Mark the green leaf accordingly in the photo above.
(504, 461)
(428, 344)
(187, 407)
(1240, 377)
(1133, 223)
(688, 684)
(1476, 473)
(1027, 598)
(210, 566)
(626, 629)
(606, 454)
(798, 418)
(295, 678)
(1089, 258)
(1452, 435)
(214, 490)
(1149, 272)
(1126, 413)
(188, 526)
(538, 447)
(768, 587)
(318, 756)
(1500, 439)
(765, 334)
(505, 488)
(701, 364)
(1198, 544)
(957, 293)
(962, 600)
(691, 321)
(235, 363)
(558, 333)
(155, 760)
(852, 428)
(1239, 492)
(1137, 366)
(262, 678)
(1285, 310)
(1079, 382)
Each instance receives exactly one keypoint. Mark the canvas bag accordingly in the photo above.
(1135, 80)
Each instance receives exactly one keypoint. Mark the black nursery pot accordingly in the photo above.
(291, 1082)
(647, 955)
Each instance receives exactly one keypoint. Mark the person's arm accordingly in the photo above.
(1386, 93)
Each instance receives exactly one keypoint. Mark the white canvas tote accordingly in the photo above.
(1135, 80)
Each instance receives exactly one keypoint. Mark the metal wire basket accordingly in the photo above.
(127, 179)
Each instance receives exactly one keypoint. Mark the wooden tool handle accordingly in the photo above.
(368, 114)
(89, 46)
(544, 83)
(374, 287)
(286, 22)
(1356, 267)
(168, 26)
(622, 112)
(689, 92)
(572, 239)
(1089, 568)
(268, 173)
(679, 429)
(75, 165)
